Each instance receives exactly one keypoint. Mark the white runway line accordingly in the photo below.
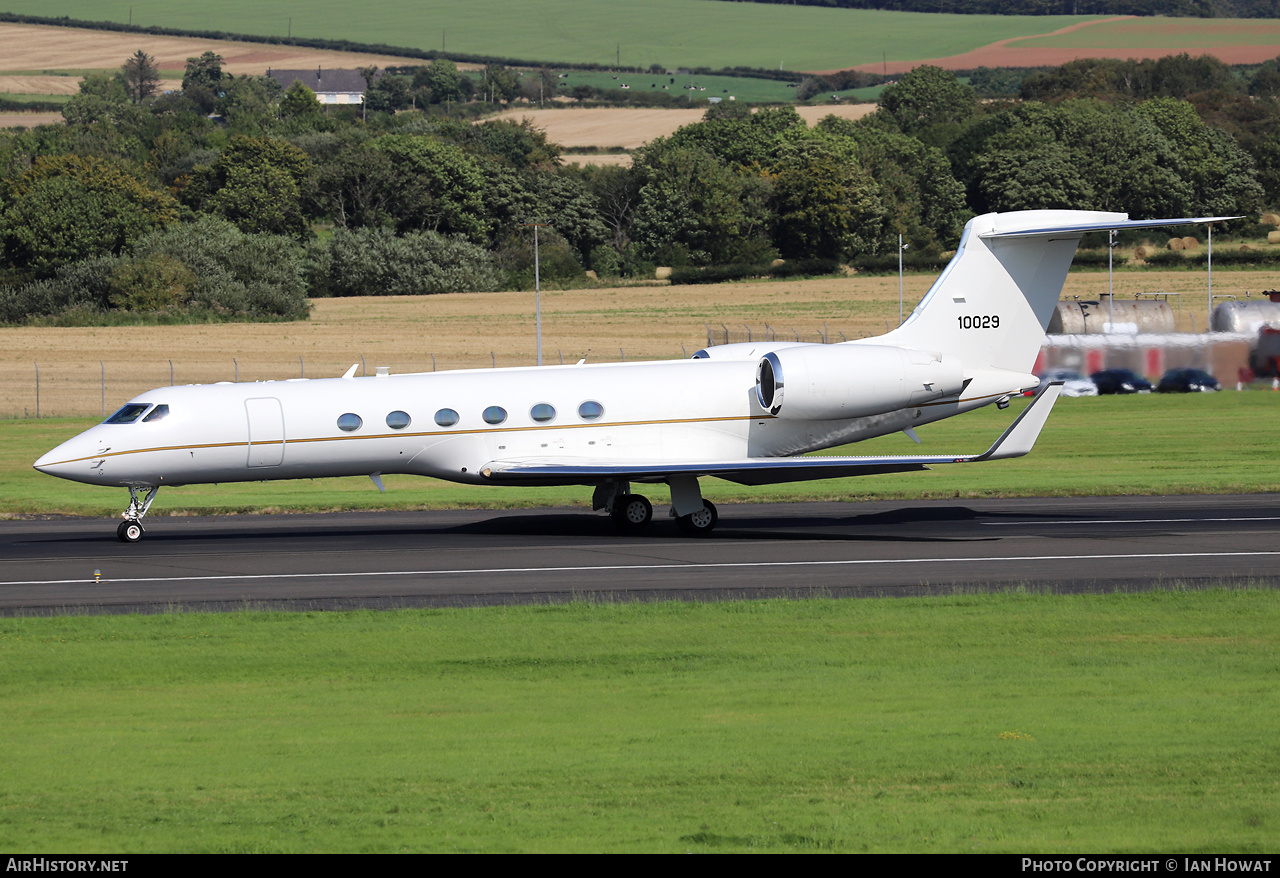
(692, 565)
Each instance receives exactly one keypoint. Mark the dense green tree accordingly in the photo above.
(694, 209)
(742, 141)
(924, 200)
(202, 81)
(67, 208)
(255, 183)
(928, 98)
(824, 207)
(450, 199)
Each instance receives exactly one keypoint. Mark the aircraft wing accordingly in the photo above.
(1015, 442)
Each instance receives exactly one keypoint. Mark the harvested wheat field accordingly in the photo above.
(477, 330)
(630, 128)
(30, 48)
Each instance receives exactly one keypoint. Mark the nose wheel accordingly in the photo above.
(130, 530)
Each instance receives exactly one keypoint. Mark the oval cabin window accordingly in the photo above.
(446, 418)
(494, 414)
(543, 412)
(398, 420)
(590, 410)
(349, 422)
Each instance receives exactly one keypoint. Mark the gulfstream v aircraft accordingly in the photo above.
(743, 412)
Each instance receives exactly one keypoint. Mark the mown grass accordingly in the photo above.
(1150, 444)
(1015, 722)
(673, 33)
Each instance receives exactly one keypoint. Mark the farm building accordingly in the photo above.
(330, 86)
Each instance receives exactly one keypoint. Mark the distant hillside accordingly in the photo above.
(1179, 8)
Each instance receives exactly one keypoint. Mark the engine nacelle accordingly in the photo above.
(839, 381)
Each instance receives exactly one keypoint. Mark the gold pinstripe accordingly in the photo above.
(467, 432)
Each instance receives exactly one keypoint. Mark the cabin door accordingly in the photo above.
(266, 431)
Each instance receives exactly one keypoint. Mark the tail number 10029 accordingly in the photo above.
(985, 321)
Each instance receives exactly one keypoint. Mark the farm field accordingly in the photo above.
(971, 723)
(51, 60)
(607, 127)
(477, 330)
(709, 34)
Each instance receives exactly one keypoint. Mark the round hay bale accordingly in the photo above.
(1271, 219)
(1142, 251)
(1175, 244)
(1247, 248)
(662, 272)
(775, 263)
(1189, 243)
(593, 275)
(1273, 237)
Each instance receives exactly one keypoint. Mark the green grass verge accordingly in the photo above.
(674, 33)
(993, 723)
(1151, 444)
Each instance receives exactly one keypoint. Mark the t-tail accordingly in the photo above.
(989, 308)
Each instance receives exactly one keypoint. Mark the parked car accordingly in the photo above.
(1073, 384)
(1120, 381)
(1187, 381)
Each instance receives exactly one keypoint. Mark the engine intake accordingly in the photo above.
(835, 382)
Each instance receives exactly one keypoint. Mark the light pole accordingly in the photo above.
(1209, 319)
(1111, 290)
(901, 247)
(537, 288)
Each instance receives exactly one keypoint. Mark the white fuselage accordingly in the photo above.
(679, 411)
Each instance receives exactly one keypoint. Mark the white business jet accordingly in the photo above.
(742, 412)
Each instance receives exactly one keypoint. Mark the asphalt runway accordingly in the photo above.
(460, 558)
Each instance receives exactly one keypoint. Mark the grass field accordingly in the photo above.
(974, 723)
(1104, 445)
(673, 33)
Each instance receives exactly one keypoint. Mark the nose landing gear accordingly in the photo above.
(130, 530)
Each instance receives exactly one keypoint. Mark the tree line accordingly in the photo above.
(234, 199)
(1179, 8)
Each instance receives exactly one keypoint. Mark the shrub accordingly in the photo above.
(375, 262)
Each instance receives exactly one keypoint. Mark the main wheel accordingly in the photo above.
(632, 511)
(129, 531)
(700, 523)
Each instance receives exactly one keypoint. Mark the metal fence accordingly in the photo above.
(734, 333)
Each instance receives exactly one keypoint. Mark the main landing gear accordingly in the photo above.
(130, 530)
(632, 512)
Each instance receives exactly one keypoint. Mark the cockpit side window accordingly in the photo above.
(160, 411)
(128, 413)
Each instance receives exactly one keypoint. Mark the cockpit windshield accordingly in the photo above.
(160, 411)
(128, 413)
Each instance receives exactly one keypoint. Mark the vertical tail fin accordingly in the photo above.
(991, 304)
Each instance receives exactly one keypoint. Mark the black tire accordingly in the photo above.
(700, 523)
(632, 512)
(129, 531)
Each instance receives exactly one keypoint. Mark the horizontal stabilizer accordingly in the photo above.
(1074, 229)
(1015, 442)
